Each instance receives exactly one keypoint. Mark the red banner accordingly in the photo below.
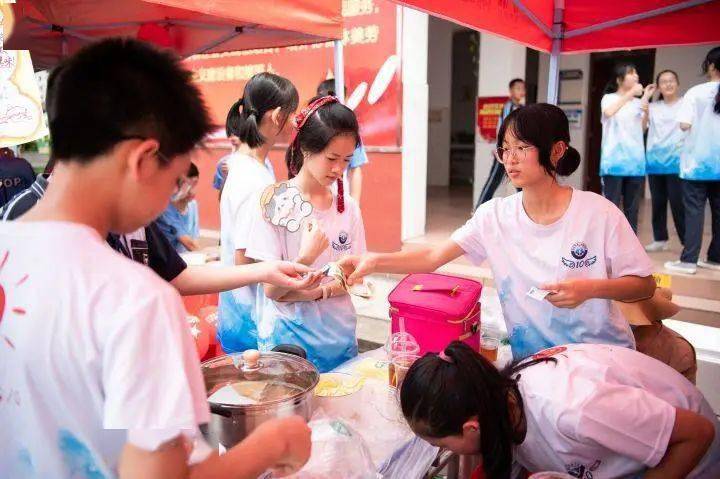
(489, 109)
(372, 69)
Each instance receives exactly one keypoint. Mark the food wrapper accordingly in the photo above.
(338, 384)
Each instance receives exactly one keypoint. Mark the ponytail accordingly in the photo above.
(248, 128)
(442, 392)
(263, 93)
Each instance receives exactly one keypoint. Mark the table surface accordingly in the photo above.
(373, 411)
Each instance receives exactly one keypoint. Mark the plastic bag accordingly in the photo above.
(338, 452)
(412, 460)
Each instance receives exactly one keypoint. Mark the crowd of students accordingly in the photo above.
(680, 159)
(98, 372)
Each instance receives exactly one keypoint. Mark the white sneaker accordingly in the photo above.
(709, 265)
(657, 246)
(681, 267)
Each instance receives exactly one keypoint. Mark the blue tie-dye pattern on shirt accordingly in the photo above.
(664, 160)
(561, 326)
(237, 328)
(327, 334)
(79, 460)
(622, 161)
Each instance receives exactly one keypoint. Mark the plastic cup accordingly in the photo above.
(551, 475)
(489, 348)
(399, 366)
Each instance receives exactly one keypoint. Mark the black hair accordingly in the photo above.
(327, 88)
(232, 121)
(621, 70)
(713, 58)
(119, 88)
(438, 396)
(329, 121)
(263, 93)
(542, 125)
(657, 81)
(514, 81)
(193, 171)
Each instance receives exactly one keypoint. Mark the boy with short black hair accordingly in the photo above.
(98, 370)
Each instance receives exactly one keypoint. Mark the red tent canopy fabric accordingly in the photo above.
(586, 25)
(51, 29)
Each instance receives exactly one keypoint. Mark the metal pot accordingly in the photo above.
(246, 389)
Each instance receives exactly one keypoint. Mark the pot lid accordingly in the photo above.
(253, 378)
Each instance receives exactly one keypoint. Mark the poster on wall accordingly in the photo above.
(21, 113)
(372, 68)
(489, 109)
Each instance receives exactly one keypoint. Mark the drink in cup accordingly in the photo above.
(551, 475)
(489, 348)
(399, 366)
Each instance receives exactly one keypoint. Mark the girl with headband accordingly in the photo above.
(321, 319)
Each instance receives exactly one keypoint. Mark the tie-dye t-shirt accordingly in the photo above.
(105, 360)
(239, 309)
(700, 159)
(592, 240)
(665, 139)
(622, 152)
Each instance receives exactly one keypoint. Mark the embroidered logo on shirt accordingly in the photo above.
(579, 252)
(343, 242)
(582, 471)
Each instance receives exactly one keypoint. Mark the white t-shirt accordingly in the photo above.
(239, 308)
(605, 412)
(622, 152)
(325, 328)
(700, 159)
(592, 240)
(95, 352)
(665, 139)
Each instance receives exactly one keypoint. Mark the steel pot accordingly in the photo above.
(246, 389)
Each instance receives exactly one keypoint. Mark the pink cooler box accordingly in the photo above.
(437, 309)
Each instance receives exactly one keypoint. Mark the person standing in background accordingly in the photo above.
(223, 165)
(16, 175)
(664, 144)
(622, 154)
(180, 222)
(353, 176)
(497, 172)
(700, 167)
(265, 115)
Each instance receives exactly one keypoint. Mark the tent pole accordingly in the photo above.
(339, 71)
(554, 71)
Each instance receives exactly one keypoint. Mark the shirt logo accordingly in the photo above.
(579, 252)
(582, 471)
(343, 242)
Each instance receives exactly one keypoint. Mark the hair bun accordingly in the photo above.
(569, 162)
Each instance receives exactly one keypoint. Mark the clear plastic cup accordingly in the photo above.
(489, 348)
(399, 366)
(551, 475)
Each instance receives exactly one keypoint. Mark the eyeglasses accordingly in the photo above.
(503, 155)
(163, 159)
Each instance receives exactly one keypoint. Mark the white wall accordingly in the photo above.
(439, 76)
(577, 135)
(500, 61)
(414, 56)
(685, 61)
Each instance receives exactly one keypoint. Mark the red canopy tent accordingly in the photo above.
(53, 29)
(574, 26)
